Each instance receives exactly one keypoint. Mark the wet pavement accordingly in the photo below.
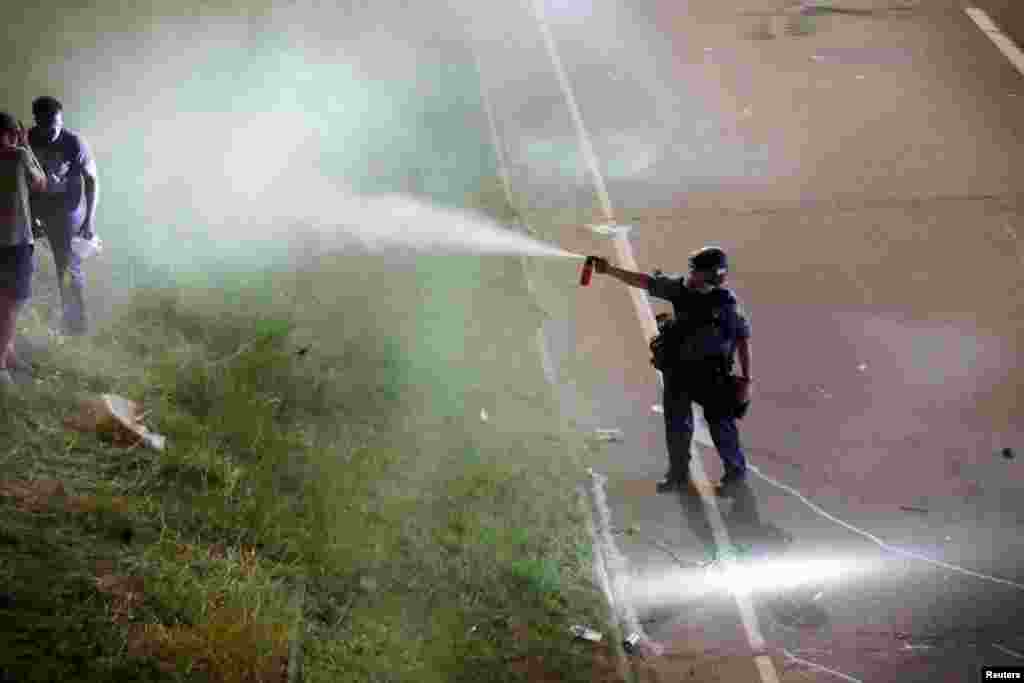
(862, 168)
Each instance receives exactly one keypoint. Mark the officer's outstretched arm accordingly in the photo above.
(641, 280)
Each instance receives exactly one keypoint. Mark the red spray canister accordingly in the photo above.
(588, 270)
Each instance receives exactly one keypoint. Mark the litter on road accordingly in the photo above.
(610, 228)
(608, 434)
(660, 409)
(586, 633)
(637, 644)
(483, 415)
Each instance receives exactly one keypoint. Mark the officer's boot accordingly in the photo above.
(677, 478)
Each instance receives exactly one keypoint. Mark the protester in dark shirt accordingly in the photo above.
(67, 207)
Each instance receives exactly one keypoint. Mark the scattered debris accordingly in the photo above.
(612, 435)
(483, 415)
(913, 508)
(860, 77)
(1008, 651)
(1008, 453)
(817, 596)
(586, 633)
(660, 409)
(610, 228)
(862, 367)
(637, 644)
(118, 419)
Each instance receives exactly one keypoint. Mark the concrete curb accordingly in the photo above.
(627, 672)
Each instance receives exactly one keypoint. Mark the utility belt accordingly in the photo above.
(712, 370)
(711, 380)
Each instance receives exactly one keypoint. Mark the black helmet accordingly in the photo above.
(710, 258)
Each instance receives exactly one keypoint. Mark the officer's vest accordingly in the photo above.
(701, 332)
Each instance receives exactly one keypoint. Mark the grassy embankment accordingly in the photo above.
(356, 479)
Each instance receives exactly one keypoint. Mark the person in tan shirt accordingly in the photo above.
(20, 174)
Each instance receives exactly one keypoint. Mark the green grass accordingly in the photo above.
(323, 429)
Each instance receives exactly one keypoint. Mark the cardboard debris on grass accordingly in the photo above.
(116, 418)
(32, 496)
(42, 495)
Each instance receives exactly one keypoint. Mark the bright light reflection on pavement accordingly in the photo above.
(812, 576)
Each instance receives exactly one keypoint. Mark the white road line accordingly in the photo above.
(819, 667)
(646, 315)
(878, 541)
(766, 668)
(1002, 41)
(1008, 650)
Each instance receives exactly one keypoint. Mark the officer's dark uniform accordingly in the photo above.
(715, 322)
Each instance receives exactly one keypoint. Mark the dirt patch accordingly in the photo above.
(127, 593)
(33, 496)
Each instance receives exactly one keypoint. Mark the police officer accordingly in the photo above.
(714, 326)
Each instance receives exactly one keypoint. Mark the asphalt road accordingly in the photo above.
(862, 168)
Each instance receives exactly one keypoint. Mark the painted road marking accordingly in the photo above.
(995, 34)
(819, 667)
(1008, 650)
(765, 667)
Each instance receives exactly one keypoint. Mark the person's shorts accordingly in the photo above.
(17, 265)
